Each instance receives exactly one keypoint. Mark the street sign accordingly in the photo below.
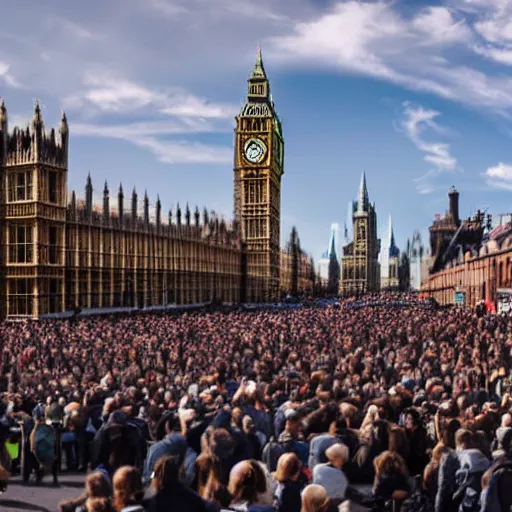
(459, 298)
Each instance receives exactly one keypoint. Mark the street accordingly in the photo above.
(40, 498)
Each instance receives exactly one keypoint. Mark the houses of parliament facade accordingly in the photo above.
(60, 253)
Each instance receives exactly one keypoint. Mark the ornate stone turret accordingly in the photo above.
(178, 215)
(170, 217)
(146, 207)
(158, 212)
(206, 220)
(73, 205)
(88, 195)
(3, 133)
(197, 217)
(120, 203)
(134, 205)
(106, 203)
(64, 137)
(32, 144)
(187, 215)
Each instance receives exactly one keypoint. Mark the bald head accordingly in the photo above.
(506, 420)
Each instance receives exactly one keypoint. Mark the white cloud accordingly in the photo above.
(115, 95)
(415, 123)
(130, 131)
(499, 176)
(218, 9)
(70, 28)
(185, 113)
(423, 52)
(439, 26)
(6, 77)
(186, 152)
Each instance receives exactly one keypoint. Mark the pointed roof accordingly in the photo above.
(258, 70)
(38, 117)
(362, 200)
(3, 111)
(393, 249)
(332, 248)
(63, 122)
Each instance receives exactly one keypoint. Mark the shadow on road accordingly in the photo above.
(22, 505)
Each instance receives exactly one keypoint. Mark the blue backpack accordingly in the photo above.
(45, 442)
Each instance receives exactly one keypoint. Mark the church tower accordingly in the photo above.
(392, 282)
(258, 167)
(361, 273)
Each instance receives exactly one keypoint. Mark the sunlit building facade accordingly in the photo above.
(62, 253)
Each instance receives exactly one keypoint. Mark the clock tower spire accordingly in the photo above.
(258, 167)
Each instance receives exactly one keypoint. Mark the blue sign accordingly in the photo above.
(460, 298)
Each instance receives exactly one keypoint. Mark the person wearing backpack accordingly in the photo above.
(497, 480)
(43, 446)
(468, 477)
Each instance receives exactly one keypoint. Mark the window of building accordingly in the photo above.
(20, 243)
(53, 255)
(52, 187)
(20, 186)
(20, 297)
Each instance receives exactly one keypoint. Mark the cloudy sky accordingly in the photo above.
(416, 93)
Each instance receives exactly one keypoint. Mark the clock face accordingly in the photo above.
(255, 150)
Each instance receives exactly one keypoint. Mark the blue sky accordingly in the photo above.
(418, 94)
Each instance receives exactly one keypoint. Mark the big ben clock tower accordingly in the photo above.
(259, 151)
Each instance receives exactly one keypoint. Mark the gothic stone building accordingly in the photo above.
(468, 257)
(360, 265)
(58, 254)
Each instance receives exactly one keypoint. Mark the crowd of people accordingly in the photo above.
(389, 405)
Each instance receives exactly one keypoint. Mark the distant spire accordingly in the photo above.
(393, 249)
(332, 249)
(37, 119)
(63, 129)
(259, 69)
(146, 207)
(362, 201)
(3, 112)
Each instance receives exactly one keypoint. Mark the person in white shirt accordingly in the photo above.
(330, 475)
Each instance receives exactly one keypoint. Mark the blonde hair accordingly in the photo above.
(288, 468)
(314, 499)
(128, 488)
(337, 451)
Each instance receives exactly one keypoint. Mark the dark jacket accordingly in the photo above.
(177, 497)
(418, 458)
(386, 485)
(288, 496)
(446, 484)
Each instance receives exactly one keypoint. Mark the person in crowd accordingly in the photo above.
(315, 499)
(169, 493)
(289, 483)
(391, 475)
(128, 490)
(388, 376)
(245, 484)
(98, 493)
(330, 475)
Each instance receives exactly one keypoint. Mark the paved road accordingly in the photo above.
(40, 498)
